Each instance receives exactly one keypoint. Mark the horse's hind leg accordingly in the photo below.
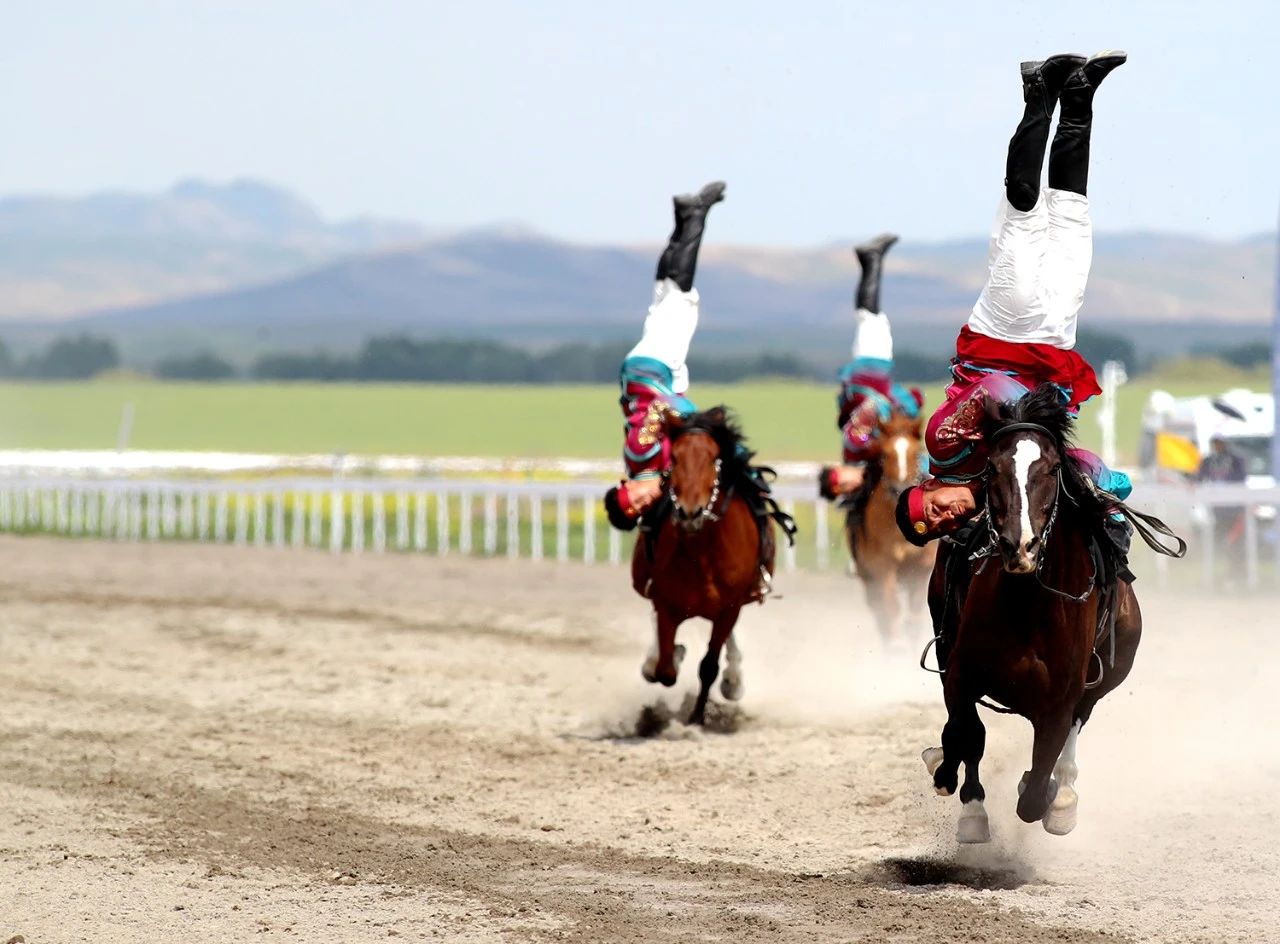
(1062, 815)
(882, 595)
(1037, 785)
(709, 667)
(731, 686)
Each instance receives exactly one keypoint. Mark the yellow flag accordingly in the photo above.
(1176, 452)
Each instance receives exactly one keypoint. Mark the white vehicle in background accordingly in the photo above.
(1246, 420)
(1176, 433)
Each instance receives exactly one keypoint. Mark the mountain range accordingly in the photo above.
(246, 267)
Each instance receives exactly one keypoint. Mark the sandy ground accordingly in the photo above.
(203, 744)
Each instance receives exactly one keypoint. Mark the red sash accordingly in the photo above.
(1032, 363)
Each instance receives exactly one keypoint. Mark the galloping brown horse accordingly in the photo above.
(1026, 632)
(709, 557)
(890, 568)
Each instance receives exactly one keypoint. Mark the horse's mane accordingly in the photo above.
(723, 427)
(1044, 407)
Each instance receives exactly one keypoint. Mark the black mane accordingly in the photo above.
(1044, 407)
(723, 427)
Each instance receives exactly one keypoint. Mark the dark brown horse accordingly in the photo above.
(891, 569)
(1026, 632)
(708, 558)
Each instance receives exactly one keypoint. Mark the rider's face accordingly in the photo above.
(948, 505)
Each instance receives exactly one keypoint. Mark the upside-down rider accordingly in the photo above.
(1022, 330)
(655, 377)
(868, 394)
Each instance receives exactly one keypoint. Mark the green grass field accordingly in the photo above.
(784, 420)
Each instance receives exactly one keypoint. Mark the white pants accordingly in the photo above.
(1037, 270)
(874, 339)
(668, 330)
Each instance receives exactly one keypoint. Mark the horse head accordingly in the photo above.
(705, 455)
(1028, 440)
(899, 443)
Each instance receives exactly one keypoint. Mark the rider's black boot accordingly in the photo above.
(1069, 155)
(680, 258)
(871, 258)
(1041, 85)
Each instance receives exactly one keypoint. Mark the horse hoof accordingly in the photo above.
(1062, 815)
(932, 757)
(974, 827)
(678, 656)
(650, 670)
(731, 687)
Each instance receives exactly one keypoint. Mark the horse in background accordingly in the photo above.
(708, 553)
(894, 572)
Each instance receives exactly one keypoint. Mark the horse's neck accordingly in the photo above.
(1068, 553)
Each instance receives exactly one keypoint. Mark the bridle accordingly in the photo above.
(706, 512)
(1047, 531)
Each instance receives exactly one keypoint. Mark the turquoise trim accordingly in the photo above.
(905, 400)
(1117, 483)
(964, 453)
(657, 376)
(876, 364)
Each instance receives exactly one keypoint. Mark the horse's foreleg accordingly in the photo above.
(943, 763)
(1037, 785)
(662, 664)
(709, 667)
(964, 739)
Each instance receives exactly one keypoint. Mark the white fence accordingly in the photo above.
(536, 520)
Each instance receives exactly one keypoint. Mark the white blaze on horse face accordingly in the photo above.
(1024, 455)
(900, 447)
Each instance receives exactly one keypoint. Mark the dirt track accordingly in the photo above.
(205, 743)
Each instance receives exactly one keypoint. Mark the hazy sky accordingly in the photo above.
(828, 119)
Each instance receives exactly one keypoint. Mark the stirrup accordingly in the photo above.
(765, 590)
(924, 656)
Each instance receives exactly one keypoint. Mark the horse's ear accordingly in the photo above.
(997, 410)
(673, 421)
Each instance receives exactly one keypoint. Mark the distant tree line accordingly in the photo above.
(78, 357)
(399, 358)
(1247, 356)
